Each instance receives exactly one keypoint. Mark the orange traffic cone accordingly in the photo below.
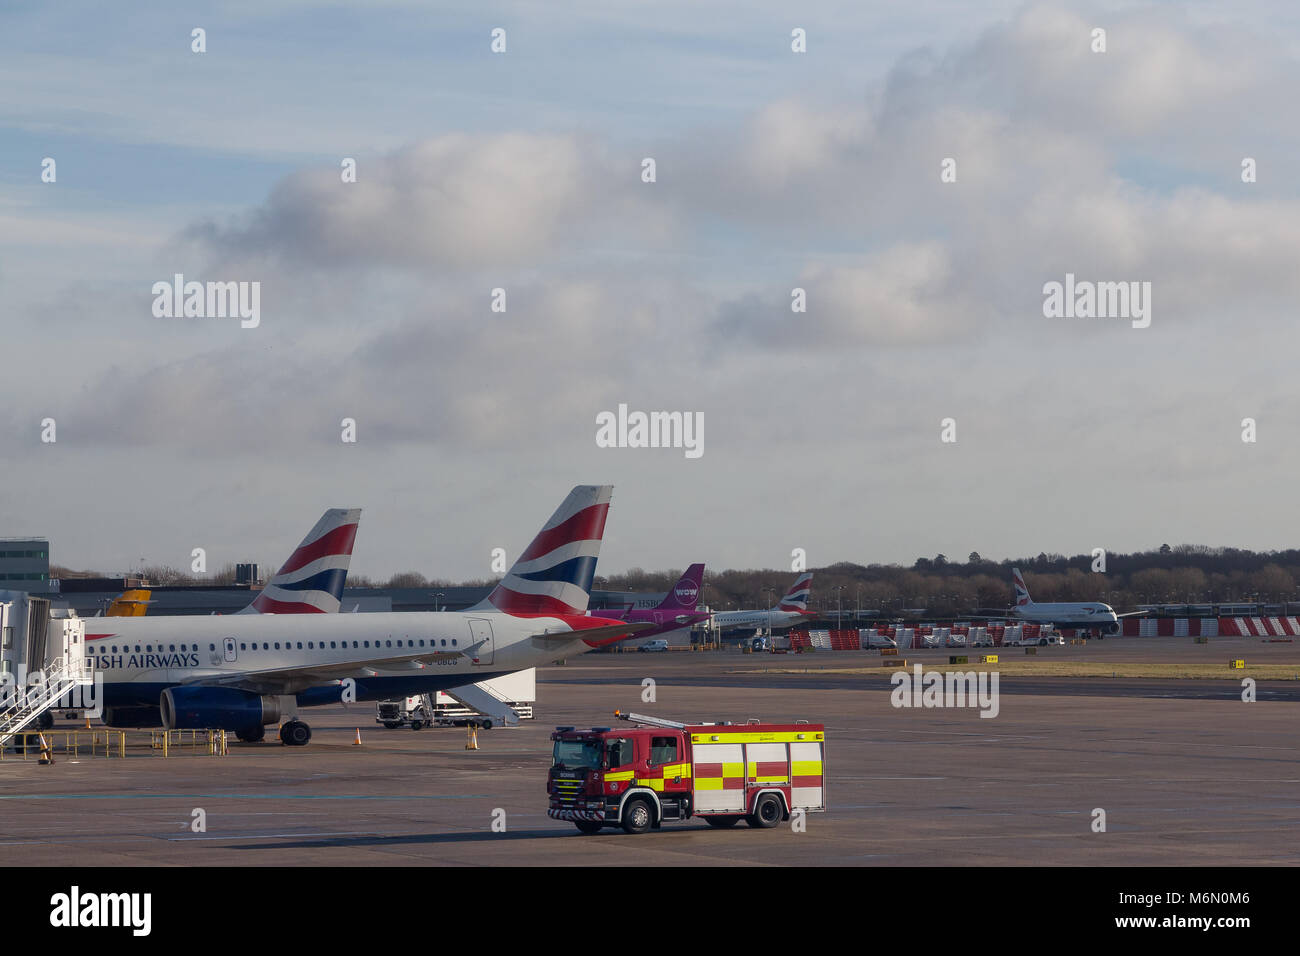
(471, 740)
(46, 756)
(357, 742)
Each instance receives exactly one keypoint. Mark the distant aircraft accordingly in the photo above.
(792, 609)
(309, 582)
(1091, 615)
(242, 672)
(675, 611)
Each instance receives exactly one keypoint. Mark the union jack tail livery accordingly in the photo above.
(555, 572)
(796, 599)
(1022, 593)
(311, 581)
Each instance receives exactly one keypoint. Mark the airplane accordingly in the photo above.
(1090, 615)
(792, 609)
(675, 611)
(242, 672)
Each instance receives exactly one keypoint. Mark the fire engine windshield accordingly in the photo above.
(577, 754)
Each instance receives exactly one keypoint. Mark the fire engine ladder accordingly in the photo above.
(650, 721)
(59, 679)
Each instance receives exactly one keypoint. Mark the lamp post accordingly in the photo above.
(839, 606)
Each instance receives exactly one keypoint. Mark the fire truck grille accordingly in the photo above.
(567, 791)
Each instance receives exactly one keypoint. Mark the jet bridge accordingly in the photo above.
(42, 661)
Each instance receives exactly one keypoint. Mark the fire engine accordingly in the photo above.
(638, 778)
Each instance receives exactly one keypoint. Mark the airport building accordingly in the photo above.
(24, 564)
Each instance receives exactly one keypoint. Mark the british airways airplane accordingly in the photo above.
(245, 671)
(1091, 615)
(792, 609)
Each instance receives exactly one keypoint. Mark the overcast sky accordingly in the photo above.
(523, 171)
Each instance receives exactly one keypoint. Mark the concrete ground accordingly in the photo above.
(1186, 773)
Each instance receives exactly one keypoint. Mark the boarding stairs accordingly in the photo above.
(482, 699)
(61, 676)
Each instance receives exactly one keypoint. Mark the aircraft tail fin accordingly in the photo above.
(311, 581)
(555, 572)
(685, 595)
(1022, 593)
(796, 599)
(132, 603)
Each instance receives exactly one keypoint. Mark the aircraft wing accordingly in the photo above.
(290, 680)
(604, 633)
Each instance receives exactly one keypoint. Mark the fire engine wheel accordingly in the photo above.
(251, 735)
(637, 816)
(722, 823)
(392, 724)
(417, 724)
(767, 812)
(588, 827)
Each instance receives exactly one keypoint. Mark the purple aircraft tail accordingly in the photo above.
(685, 594)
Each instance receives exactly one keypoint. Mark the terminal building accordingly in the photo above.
(24, 564)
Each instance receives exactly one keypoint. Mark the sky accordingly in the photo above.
(522, 170)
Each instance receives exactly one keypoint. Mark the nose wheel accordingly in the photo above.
(295, 734)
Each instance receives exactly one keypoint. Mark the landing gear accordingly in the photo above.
(417, 724)
(295, 734)
(251, 735)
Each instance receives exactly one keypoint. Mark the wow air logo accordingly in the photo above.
(686, 593)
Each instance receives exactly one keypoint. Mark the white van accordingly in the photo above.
(660, 644)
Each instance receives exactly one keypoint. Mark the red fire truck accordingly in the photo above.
(637, 778)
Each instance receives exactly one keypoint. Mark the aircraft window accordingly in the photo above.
(422, 642)
(137, 648)
(388, 643)
(453, 642)
(310, 645)
(444, 642)
(243, 647)
(300, 645)
(367, 643)
(148, 648)
(354, 644)
(114, 648)
(277, 645)
(212, 647)
(171, 647)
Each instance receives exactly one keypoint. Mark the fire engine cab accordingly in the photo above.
(639, 777)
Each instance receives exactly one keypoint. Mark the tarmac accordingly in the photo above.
(1186, 772)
